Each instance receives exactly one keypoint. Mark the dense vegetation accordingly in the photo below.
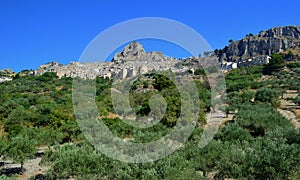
(258, 144)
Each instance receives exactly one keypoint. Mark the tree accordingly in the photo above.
(19, 149)
(268, 95)
(289, 56)
(162, 82)
(296, 100)
(16, 120)
(260, 118)
(231, 162)
(276, 60)
(17, 76)
(3, 140)
(199, 71)
(233, 132)
(2, 97)
(272, 159)
(47, 76)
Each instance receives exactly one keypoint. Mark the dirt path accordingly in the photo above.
(31, 166)
(288, 108)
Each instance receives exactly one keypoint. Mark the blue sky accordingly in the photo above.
(37, 32)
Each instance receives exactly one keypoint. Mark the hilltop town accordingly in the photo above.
(134, 60)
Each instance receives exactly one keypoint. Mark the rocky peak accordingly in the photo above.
(132, 51)
(265, 43)
(286, 32)
(135, 52)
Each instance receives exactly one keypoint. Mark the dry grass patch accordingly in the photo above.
(297, 113)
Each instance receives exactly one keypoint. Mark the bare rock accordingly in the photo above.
(267, 42)
(7, 71)
(131, 52)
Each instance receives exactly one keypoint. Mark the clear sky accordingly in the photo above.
(41, 31)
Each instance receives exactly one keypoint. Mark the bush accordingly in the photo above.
(268, 95)
(296, 100)
(276, 60)
(199, 71)
(47, 76)
(19, 149)
(293, 65)
(233, 132)
(260, 118)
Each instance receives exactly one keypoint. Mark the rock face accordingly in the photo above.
(131, 52)
(265, 43)
(7, 71)
(135, 52)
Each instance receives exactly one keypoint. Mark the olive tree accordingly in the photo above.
(19, 149)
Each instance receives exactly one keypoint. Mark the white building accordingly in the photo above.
(3, 79)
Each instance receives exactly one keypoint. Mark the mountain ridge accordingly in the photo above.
(273, 40)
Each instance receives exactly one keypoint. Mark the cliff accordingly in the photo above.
(267, 42)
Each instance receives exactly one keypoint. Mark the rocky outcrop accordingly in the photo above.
(7, 72)
(265, 43)
(135, 52)
(131, 52)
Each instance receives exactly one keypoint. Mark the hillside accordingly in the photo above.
(40, 137)
(258, 141)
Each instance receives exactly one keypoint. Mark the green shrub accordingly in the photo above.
(19, 149)
(268, 95)
(260, 118)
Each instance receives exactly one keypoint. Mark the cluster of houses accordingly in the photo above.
(6, 75)
(258, 60)
(139, 66)
(133, 61)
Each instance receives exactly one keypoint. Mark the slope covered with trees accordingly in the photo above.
(259, 143)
